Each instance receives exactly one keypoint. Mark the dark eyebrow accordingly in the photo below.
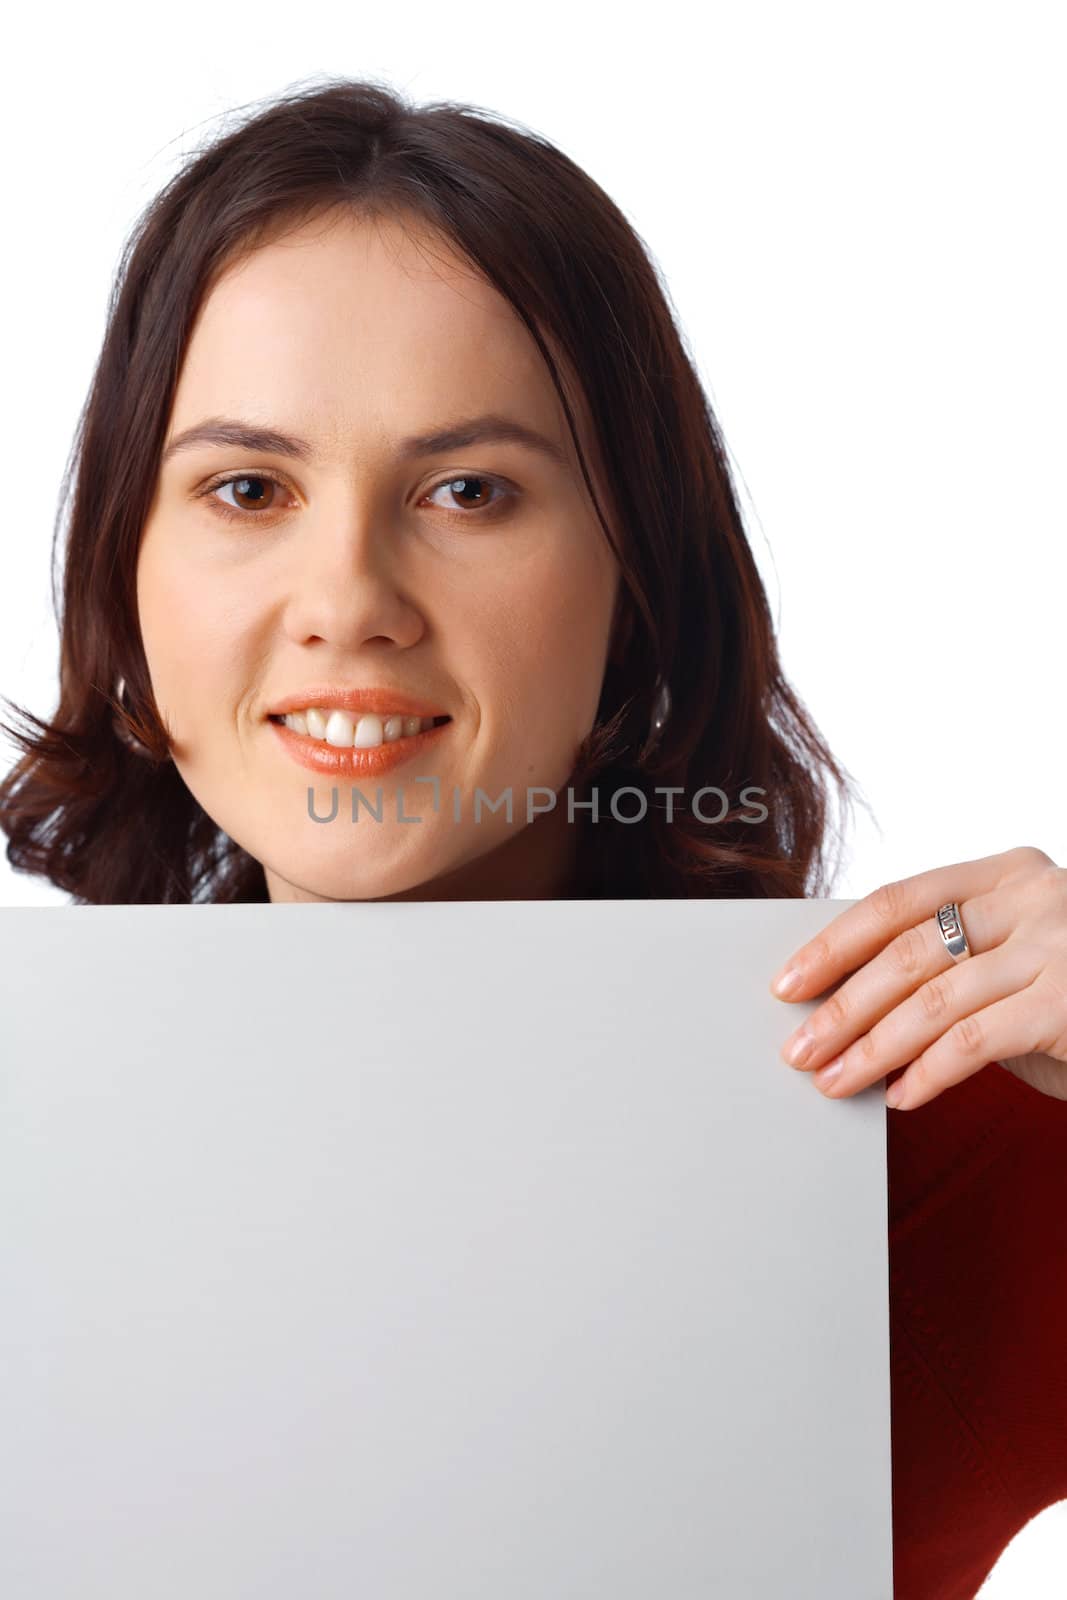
(488, 428)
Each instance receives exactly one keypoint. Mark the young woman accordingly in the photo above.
(395, 477)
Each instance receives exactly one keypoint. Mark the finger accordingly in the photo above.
(859, 931)
(909, 960)
(1010, 1027)
(913, 1027)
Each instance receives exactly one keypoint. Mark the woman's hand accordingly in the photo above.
(908, 1001)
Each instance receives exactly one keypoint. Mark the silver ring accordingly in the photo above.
(950, 927)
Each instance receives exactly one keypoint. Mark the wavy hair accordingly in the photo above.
(110, 824)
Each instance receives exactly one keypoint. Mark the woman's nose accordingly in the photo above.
(345, 584)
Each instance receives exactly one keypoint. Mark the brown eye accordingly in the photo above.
(471, 493)
(466, 490)
(252, 493)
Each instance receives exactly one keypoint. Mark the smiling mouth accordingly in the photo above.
(338, 730)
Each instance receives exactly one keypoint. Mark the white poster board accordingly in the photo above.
(437, 1251)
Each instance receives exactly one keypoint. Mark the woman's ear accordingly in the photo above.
(621, 628)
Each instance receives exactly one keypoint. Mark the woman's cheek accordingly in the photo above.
(538, 717)
(194, 643)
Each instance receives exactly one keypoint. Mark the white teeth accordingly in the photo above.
(338, 727)
(368, 732)
(339, 730)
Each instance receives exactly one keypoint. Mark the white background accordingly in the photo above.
(859, 216)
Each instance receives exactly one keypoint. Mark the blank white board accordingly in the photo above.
(433, 1251)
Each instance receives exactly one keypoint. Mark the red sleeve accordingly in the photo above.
(978, 1327)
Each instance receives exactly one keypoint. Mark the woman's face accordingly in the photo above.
(470, 579)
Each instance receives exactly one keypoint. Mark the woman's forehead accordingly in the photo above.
(369, 285)
(360, 324)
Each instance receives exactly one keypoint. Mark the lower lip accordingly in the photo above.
(370, 762)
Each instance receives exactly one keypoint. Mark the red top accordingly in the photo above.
(978, 1327)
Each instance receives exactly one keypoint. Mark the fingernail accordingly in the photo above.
(828, 1073)
(799, 1048)
(787, 982)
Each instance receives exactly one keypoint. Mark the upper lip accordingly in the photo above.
(336, 698)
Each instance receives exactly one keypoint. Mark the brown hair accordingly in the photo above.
(109, 825)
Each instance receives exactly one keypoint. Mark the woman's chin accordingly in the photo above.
(296, 877)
